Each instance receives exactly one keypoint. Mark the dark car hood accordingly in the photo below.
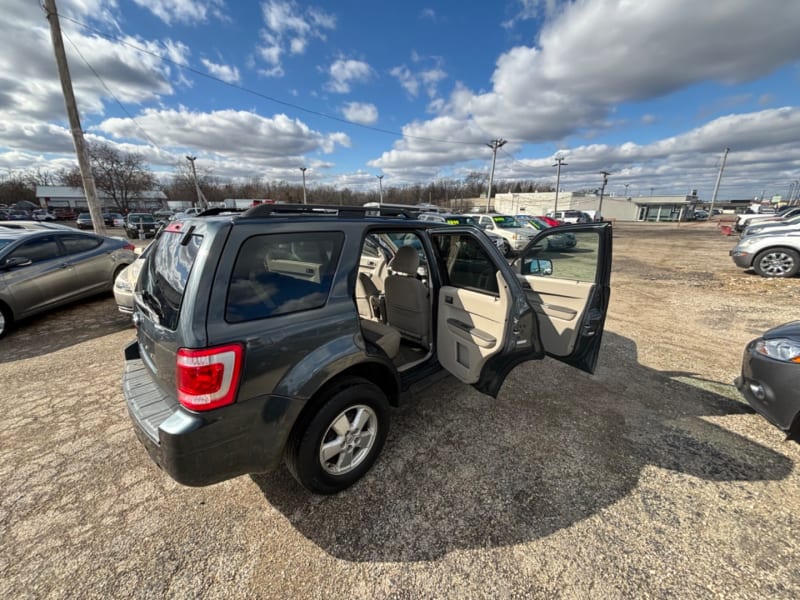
(791, 330)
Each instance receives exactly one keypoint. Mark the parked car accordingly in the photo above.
(64, 214)
(43, 269)
(140, 225)
(125, 283)
(516, 236)
(42, 215)
(549, 220)
(114, 219)
(570, 216)
(770, 378)
(700, 215)
(451, 219)
(84, 221)
(769, 255)
(562, 241)
(743, 220)
(33, 225)
(252, 348)
(772, 227)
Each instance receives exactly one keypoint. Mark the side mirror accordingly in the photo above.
(537, 266)
(16, 261)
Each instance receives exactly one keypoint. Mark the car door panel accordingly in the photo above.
(569, 290)
(485, 326)
(471, 328)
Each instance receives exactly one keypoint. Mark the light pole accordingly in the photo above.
(191, 159)
(719, 178)
(605, 175)
(626, 188)
(303, 169)
(559, 163)
(380, 186)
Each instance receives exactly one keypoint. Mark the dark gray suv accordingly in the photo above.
(287, 332)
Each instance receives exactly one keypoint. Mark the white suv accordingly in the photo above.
(515, 234)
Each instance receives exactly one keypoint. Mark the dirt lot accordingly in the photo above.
(648, 479)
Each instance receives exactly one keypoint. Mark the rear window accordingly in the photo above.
(165, 273)
(282, 273)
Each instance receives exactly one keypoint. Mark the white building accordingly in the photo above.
(62, 196)
(642, 208)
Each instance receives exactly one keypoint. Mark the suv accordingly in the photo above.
(745, 219)
(287, 331)
(515, 234)
(570, 216)
(140, 225)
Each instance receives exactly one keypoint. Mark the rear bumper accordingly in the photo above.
(201, 448)
(771, 388)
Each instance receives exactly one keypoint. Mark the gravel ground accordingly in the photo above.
(649, 479)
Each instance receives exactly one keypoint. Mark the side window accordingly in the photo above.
(564, 256)
(74, 244)
(38, 250)
(466, 264)
(283, 273)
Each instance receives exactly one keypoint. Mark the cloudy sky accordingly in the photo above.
(652, 91)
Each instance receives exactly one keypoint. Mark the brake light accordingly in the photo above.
(129, 246)
(208, 378)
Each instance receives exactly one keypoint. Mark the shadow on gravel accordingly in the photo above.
(63, 327)
(462, 471)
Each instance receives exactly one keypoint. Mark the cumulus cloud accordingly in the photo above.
(184, 11)
(345, 72)
(360, 112)
(289, 28)
(227, 132)
(573, 77)
(413, 80)
(228, 73)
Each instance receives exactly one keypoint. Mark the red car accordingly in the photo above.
(549, 220)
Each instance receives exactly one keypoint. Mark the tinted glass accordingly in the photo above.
(165, 273)
(73, 244)
(280, 274)
(37, 250)
(466, 263)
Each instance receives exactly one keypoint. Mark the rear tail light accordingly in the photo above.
(208, 378)
(129, 246)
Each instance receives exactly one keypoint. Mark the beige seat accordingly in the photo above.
(407, 305)
(381, 335)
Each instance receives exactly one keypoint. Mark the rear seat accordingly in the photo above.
(385, 337)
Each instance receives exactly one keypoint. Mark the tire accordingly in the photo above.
(351, 423)
(506, 248)
(6, 320)
(777, 262)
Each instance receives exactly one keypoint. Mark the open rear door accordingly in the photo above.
(484, 324)
(566, 272)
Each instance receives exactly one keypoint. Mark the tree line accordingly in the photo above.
(123, 177)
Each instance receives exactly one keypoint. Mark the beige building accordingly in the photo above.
(642, 208)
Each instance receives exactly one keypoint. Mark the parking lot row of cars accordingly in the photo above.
(769, 244)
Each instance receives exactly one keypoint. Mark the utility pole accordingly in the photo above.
(303, 169)
(201, 199)
(719, 178)
(95, 208)
(559, 163)
(380, 186)
(626, 188)
(498, 143)
(605, 175)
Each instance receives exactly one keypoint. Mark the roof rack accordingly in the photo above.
(218, 210)
(267, 210)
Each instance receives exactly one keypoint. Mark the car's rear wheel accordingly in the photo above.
(5, 320)
(506, 248)
(340, 443)
(777, 262)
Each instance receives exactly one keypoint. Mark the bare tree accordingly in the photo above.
(120, 176)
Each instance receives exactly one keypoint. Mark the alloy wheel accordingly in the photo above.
(348, 439)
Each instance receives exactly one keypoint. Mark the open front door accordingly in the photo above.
(484, 324)
(566, 272)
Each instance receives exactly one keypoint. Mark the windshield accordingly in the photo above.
(165, 273)
(506, 222)
(141, 219)
(459, 220)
